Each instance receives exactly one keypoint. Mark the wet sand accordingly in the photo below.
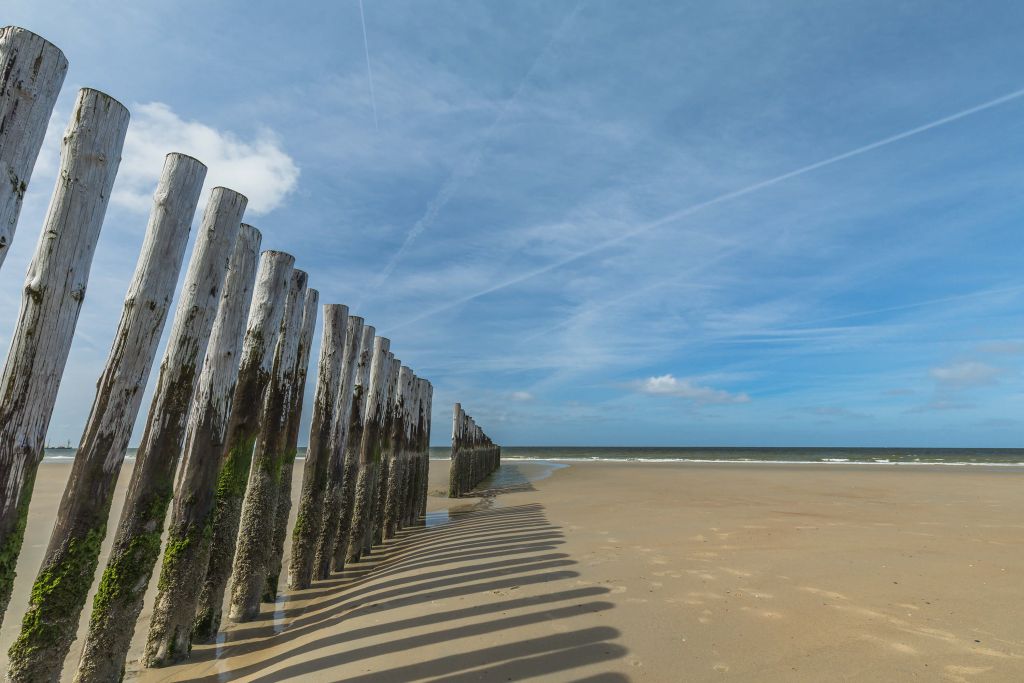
(652, 572)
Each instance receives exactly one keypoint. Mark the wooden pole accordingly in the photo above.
(137, 543)
(375, 535)
(412, 469)
(335, 342)
(369, 449)
(69, 566)
(234, 460)
(399, 450)
(425, 450)
(51, 300)
(256, 529)
(409, 455)
(387, 455)
(284, 494)
(455, 470)
(332, 546)
(32, 71)
(420, 452)
(188, 534)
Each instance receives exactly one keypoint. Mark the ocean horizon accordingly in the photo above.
(796, 455)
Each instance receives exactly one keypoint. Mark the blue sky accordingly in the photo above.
(601, 223)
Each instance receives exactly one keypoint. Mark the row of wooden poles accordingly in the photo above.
(474, 455)
(221, 434)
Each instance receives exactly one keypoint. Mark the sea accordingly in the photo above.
(955, 457)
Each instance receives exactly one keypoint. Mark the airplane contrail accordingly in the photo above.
(369, 72)
(469, 166)
(722, 198)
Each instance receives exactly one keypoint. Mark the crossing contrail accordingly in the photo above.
(720, 199)
(469, 166)
(369, 72)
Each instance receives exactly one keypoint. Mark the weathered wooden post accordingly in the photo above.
(332, 545)
(188, 534)
(409, 462)
(284, 493)
(234, 459)
(32, 71)
(455, 471)
(387, 455)
(411, 474)
(256, 528)
(54, 291)
(425, 463)
(62, 584)
(369, 449)
(399, 451)
(327, 404)
(137, 543)
(420, 451)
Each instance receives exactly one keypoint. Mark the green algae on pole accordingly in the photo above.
(188, 534)
(284, 492)
(52, 298)
(256, 527)
(62, 584)
(32, 72)
(136, 546)
(332, 543)
(327, 406)
(233, 462)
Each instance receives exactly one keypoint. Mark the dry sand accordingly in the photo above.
(652, 572)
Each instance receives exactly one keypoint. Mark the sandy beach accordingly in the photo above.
(649, 572)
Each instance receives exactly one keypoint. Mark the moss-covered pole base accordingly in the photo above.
(256, 528)
(136, 546)
(32, 71)
(188, 535)
(327, 402)
(232, 473)
(51, 300)
(332, 544)
(370, 448)
(284, 491)
(69, 566)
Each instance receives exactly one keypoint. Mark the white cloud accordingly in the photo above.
(257, 168)
(521, 396)
(966, 374)
(667, 385)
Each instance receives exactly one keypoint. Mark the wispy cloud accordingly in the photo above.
(521, 396)
(258, 168)
(469, 165)
(667, 385)
(369, 71)
(966, 374)
(721, 199)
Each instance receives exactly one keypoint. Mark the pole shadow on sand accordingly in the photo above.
(487, 596)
